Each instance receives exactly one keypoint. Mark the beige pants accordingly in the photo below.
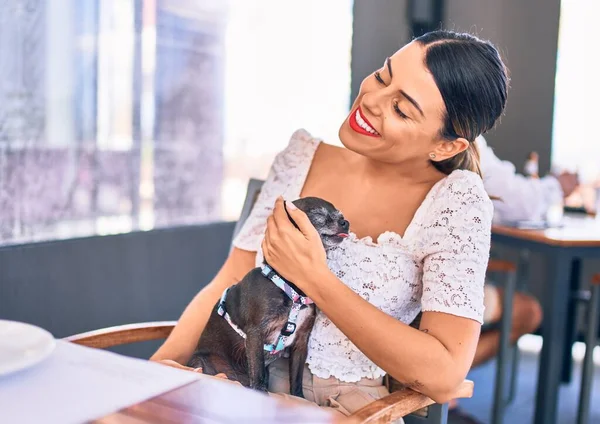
(345, 398)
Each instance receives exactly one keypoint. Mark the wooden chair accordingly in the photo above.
(400, 403)
(414, 407)
(509, 270)
(591, 340)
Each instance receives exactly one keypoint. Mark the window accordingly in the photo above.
(111, 116)
(121, 115)
(287, 67)
(575, 144)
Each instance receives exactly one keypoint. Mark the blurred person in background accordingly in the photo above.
(521, 198)
(532, 165)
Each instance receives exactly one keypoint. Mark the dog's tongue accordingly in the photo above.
(342, 235)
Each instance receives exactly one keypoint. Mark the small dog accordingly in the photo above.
(263, 314)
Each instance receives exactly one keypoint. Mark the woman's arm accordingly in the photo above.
(433, 361)
(182, 341)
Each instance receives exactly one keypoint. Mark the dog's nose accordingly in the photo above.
(344, 224)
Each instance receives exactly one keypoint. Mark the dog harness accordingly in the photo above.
(299, 302)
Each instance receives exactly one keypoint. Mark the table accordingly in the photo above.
(211, 400)
(564, 248)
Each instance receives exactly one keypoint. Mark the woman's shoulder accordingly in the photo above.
(464, 186)
(298, 153)
(301, 142)
(458, 196)
(459, 209)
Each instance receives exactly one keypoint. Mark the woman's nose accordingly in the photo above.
(372, 101)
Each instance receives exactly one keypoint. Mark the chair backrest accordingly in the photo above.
(254, 186)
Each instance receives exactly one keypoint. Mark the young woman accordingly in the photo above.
(408, 180)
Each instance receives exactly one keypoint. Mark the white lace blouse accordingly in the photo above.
(438, 265)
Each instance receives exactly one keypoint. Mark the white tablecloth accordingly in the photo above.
(76, 384)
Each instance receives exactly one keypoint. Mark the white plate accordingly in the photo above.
(22, 346)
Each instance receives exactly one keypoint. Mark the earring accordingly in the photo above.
(432, 155)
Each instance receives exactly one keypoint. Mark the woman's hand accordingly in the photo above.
(568, 182)
(294, 254)
(175, 364)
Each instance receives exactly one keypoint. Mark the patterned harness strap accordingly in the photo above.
(289, 327)
(284, 285)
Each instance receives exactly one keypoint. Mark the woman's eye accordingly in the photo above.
(396, 108)
(398, 111)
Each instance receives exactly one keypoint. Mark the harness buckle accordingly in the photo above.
(288, 329)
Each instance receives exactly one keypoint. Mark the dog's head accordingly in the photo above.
(328, 221)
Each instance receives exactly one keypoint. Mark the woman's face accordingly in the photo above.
(397, 116)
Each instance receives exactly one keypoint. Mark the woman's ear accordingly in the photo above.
(447, 149)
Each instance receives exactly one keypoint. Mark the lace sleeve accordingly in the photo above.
(458, 250)
(286, 178)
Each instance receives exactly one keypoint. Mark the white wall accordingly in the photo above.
(526, 32)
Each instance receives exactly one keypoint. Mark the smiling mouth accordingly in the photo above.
(361, 125)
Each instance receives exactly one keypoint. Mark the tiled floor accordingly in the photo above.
(522, 409)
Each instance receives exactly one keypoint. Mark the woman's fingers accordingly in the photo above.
(175, 364)
(268, 251)
(301, 220)
(271, 223)
(279, 216)
(285, 212)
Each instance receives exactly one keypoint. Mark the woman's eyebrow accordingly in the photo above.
(413, 101)
(409, 98)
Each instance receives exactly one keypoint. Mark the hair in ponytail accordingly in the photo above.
(473, 82)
